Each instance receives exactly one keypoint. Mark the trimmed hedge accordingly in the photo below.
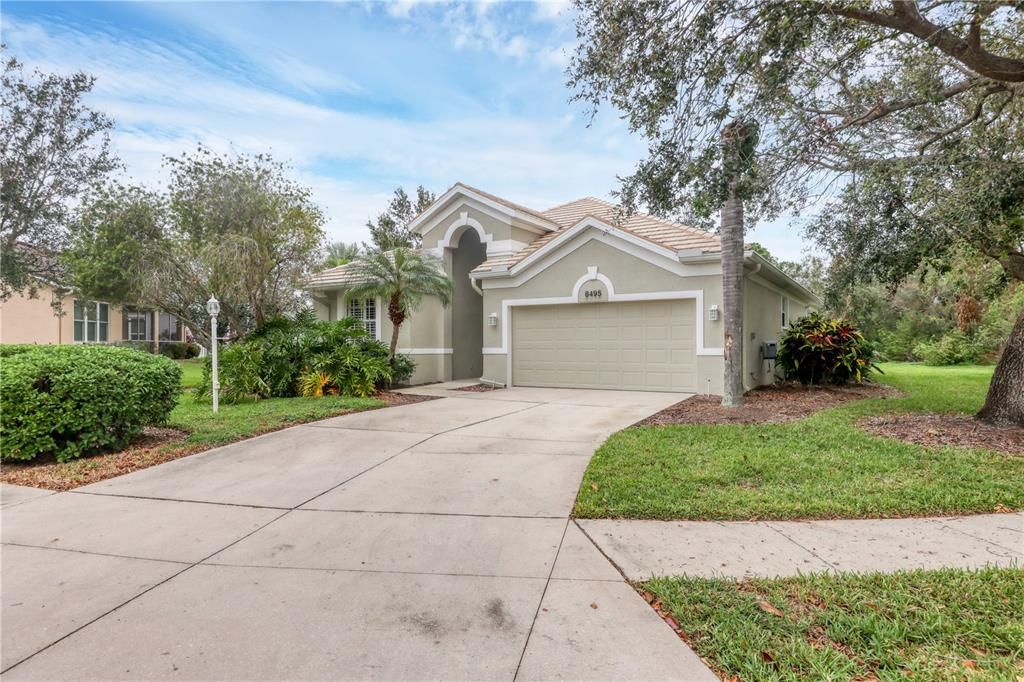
(71, 401)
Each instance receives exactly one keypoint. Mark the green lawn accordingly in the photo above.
(234, 422)
(191, 372)
(820, 467)
(920, 625)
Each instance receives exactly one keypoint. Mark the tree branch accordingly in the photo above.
(907, 18)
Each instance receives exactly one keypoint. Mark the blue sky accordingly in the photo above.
(357, 97)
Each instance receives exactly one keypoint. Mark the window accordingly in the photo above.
(138, 325)
(364, 310)
(91, 321)
(785, 312)
(170, 327)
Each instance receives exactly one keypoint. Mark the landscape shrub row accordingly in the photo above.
(308, 357)
(75, 400)
(175, 350)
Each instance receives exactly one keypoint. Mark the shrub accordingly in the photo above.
(71, 401)
(402, 369)
(819, 350)
(179, 350)
(141, 346)
(305, 356)
(9, 349)
(955, 348)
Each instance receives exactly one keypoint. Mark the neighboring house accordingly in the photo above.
(573, 297)
(35, 320)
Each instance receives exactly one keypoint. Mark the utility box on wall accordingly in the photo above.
(769, 350)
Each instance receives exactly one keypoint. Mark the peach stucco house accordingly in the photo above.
(25, 319)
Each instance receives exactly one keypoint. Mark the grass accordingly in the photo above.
(919, 625)
(243, 420)
(820, 467)
(191, 373)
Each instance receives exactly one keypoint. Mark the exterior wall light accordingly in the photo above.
(713, 312)
(492, 320)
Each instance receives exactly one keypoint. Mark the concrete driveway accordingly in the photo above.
(427, 541)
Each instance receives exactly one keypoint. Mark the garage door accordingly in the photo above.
(643, 346)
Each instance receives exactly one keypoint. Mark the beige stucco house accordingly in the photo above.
(25, 319)
(574, 297)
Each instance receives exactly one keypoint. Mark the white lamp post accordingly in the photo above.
(213, 307)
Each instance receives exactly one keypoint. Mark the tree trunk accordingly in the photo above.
(1004, 405)
(397, 317)
(731, 234)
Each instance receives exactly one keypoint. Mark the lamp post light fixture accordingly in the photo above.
(213, 307)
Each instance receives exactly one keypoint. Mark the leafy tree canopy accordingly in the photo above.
(233, 226)
(833, 87)
(53, 148)
(391, 229)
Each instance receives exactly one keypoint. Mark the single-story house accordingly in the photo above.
(25, 319)
(574, 296)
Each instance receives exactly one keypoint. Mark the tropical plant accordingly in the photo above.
(305, 356)
(340, 253)
(816, 349)
(313, 383)
(401, 277)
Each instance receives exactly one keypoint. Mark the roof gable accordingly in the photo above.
(527, 217)
(658, 232)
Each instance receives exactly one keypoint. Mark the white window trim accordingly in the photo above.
(85, 321)
(785, 312)
(148, 314)
(377, 314)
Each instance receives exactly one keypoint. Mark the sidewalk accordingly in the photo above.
(642, 549)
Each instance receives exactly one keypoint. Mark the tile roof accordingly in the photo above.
(504, 202)
(337, 276)
(655, 230)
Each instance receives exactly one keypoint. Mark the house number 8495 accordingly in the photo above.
(592, 293)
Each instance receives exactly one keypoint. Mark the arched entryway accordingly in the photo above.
(467, 308)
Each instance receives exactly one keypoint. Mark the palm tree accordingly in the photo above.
(739, 139)
(340, 253)
(402, 277)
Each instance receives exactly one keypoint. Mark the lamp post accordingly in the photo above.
(213, 307)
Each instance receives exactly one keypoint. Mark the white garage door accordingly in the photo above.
(644, 346)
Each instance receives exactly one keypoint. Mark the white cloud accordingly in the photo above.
(551, 10)
(556, 57)
(166, 100)
(517, 47)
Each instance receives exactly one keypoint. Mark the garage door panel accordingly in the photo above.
(643, 345)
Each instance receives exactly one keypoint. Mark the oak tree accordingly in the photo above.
(830, 92)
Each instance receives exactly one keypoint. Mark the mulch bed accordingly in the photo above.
(393, 399)
(154, 446)
(783, 402)
(476, 388)
(946, 429)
